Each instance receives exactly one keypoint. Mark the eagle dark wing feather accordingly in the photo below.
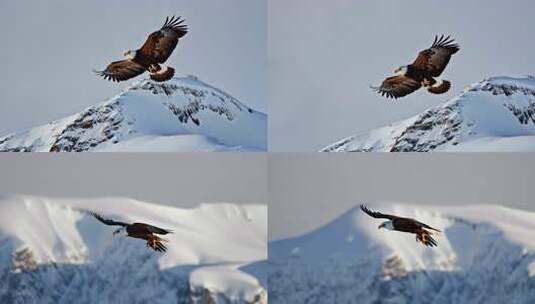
(176, 24)
(409, 224)
(377, 214)
(121, 70)
(397, 86)
(107, 221)
(158, 230)
(435, 59)
(427, 226)
(161, 44)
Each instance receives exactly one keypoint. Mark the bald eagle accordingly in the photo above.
(138, 230)
(430, 63)
(423, 235)
(156, 50)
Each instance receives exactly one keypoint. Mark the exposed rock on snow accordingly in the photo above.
(183, 114)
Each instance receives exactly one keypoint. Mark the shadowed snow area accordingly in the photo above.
(497, 114)
(51, 251)
(183, 114)
(485, 254)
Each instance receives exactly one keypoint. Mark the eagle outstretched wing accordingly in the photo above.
(377, 214)
(402, 220)
(107, 221)
(397, 86)
(121, 70)
(435, 59)
(161, 44)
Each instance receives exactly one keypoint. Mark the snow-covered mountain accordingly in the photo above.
(51, 251)
(183, 114)
(485, 254)
(497, 114)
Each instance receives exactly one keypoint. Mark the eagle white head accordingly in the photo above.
(120, 231)
(402, 70)
(130, 54)
(387, 225)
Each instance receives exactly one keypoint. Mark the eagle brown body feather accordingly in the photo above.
(428, 64)
(156, 50)
(404, 224)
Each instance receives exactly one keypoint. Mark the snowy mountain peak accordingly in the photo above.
(484, 254)
(496, 114)
(53, 244)
(183, 114)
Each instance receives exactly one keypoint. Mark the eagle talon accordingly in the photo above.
(153, 68)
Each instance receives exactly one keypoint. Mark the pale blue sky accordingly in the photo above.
(177, 179)
(324, 55)
(49, 49)
(308, 190)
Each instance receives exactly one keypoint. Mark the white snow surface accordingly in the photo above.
(211, 248)
(496, 114)
(182, 114)
(485, 254)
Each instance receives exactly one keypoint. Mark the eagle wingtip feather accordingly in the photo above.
(445, 41)
(173, 22)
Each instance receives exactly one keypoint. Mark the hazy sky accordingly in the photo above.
(310, 190)
(324, 55)
(49, 49)
(179, 179)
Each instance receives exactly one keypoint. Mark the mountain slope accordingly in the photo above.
(183, 114)
(485, 254)
(53, 252)
(497, 114)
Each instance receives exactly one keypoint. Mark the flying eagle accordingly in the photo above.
(156, 50)
(138, 230)
(430, 63)
(405, 225)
